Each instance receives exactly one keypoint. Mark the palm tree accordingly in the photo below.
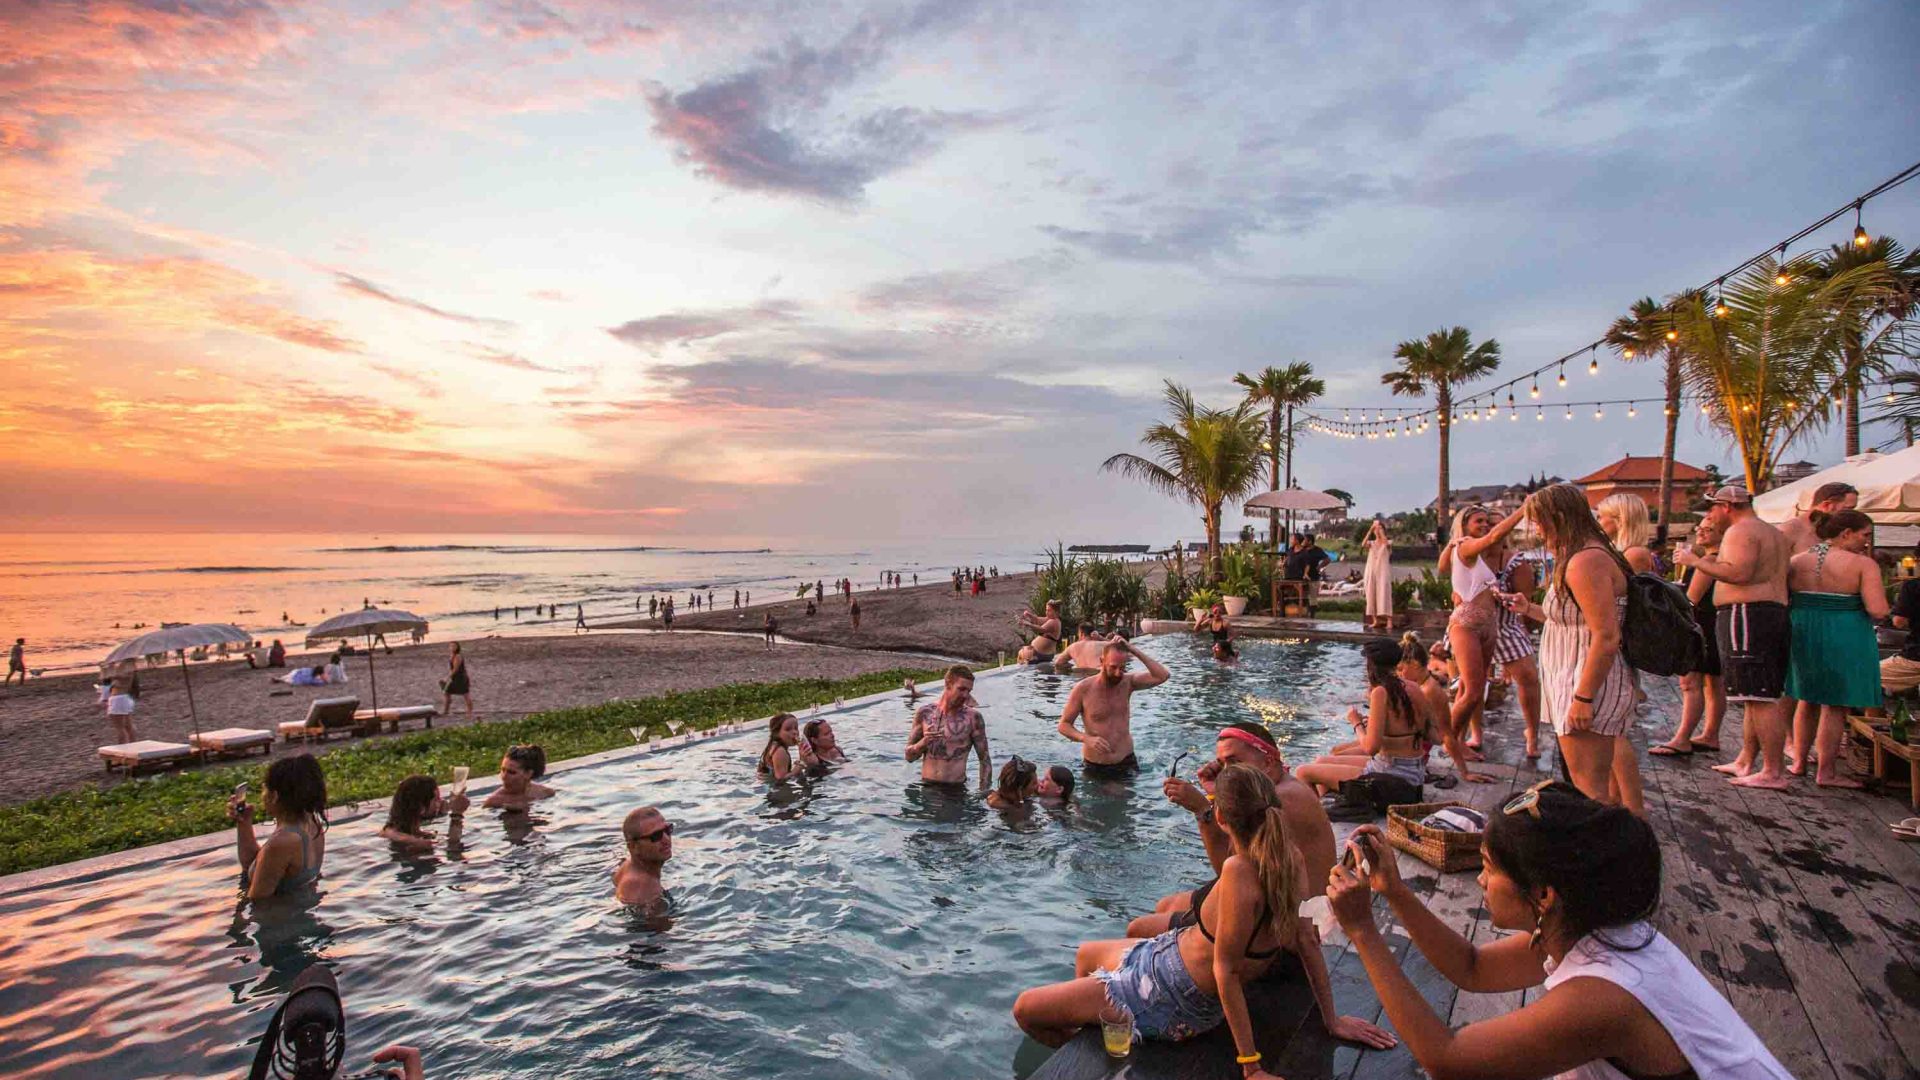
(1205, 456)
(1877, 329)
(1646, 331)
(1280, 389)
(1444, 360)
(1902, 405)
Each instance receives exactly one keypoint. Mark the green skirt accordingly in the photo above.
(1835, 655)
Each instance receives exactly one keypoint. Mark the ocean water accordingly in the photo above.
(854, 925)
(74, 597)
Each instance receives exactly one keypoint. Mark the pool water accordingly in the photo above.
(855, 925)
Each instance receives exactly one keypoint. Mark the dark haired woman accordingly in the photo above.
(296, 799)
(415, 800)
(1019, 781)
(1189, 980)
(1838, 595)
(519, 768)
(456, 684)
(1394, 737)
(1582, 880)
(818, 745)
(776, 758)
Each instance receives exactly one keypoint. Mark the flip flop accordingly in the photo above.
(1664, 750)
(1709, 747)
(1908, 829)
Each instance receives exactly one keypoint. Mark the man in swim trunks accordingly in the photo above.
(1103, 704)
(1083, 654)
(648, 839)
(1046, 630)
(1751, 627)
(945, 730)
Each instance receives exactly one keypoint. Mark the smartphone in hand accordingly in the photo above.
(1357, 857)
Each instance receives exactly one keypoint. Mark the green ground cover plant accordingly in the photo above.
(100, 820)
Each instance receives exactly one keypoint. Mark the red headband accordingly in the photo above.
(1266, 749)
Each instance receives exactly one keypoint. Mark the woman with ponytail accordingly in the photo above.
(1580, 881)
(1188, 981)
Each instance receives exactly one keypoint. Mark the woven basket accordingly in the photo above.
(1443, 849)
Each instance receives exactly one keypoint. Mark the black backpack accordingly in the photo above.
(1660, 635)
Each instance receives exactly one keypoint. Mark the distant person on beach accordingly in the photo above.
(819, 592)
(579, 617)
(295, 796)
(456, 684)
(1019, 781)
(956, 583)
(946, 729)
(1577, 884)
(812, 609)
(853, 612)
(1103, 704)
(414, 801)
(1752, 629)
(1046, 634)
(771, 627)
(653, 607)
(776, 758)
(647, 836)
(736, 598)
(17, 662)
(276, 654)
(522, 764)
(1838, 595)
(1378, 579)
(120, 695)
(819, 745)
(1084, 653)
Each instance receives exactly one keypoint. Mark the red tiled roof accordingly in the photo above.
(1642, 470)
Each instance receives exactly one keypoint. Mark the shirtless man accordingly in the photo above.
(1245, 743)
(648, 838)
(1751, 628)
(1829, 498)
(1083, 654)
(945, 730)
(1103, 704)
(1046, 634)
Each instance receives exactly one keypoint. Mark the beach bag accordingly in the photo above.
(1659, 634)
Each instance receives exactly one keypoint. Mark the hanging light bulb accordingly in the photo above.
(1347, 414)
(1720, 299)
(1705, 408)
(1860, 237)
(1780, 276)
(1596, 412)
(1632, 410)
(1563, 374)
(1512, 413)
(1569, 412)
(1673, 335)
(1593, 362)
(1493, 409)
(1627, 353)
(1537, 414)
(1535, 392)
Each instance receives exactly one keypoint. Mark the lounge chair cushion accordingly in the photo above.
(146, 750)
(293, 729)
(399, 712)
(232, 738)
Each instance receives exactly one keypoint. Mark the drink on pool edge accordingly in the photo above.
(1116, 1031)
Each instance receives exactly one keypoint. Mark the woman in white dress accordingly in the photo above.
(1379, 578)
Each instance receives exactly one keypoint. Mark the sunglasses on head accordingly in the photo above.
(1527, 802)
(655, 836)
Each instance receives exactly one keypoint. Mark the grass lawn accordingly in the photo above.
(97, 821)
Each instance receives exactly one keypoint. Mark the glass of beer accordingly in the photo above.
(460, 779)
(1116, 1031)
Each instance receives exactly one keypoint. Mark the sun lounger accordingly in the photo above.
(145, 754)
(325, 717)
(371, 719)
(233, 742)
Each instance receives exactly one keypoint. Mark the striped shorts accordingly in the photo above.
(1513, 642)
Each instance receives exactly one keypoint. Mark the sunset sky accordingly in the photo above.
(834, 271)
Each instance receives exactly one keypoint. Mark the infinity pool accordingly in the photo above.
(854, 925)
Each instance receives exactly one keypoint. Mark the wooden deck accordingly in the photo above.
(1800, 906)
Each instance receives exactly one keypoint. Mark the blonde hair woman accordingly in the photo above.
(1474, 627)
(1585, 684)
(1624, 519)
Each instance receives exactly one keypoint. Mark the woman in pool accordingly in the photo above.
(296, 799)
(776, 758)
(1394, 739)
(415, 800)
(456, 684)
(1188, 981)
(1620, 1001)
(1019, 781)
(522, 765)
(818, 745)
(1055, 783)
(1216, 624)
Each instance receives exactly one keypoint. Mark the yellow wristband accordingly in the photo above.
(1248, 1059)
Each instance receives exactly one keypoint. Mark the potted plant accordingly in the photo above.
(1200, 601)
(1237, 580)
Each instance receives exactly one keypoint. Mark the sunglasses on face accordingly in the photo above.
(653, 837)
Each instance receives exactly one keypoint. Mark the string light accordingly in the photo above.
(1720, 299)
(1627, 352)
(1596, 412)
(1512, 413)
(1632, 411)
(1535, 392)
(1673, 335)
(1860, 237)
(1563, 374)
(1347, 415)
(1781, 277)
(1569, 412)
(1593, 361)
(1537, 414)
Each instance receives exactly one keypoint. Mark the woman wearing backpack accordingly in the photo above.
(1585, 683)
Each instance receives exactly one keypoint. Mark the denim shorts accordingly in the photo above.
(1152, 984)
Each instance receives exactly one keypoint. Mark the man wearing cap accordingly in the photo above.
(1244, 743)
(1751, 627)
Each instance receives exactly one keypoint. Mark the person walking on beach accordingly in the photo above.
(1837, 597)
(647, 836)
(17, 662)
(666, 614)
(456, 684)
(653, 607)
(853, 612)
(736, 599)
(946, 729)
(120, 695)
(772, 627)
(819, 592)
(1103, 704)
(1378, 578)
(1752, 628)
(579, 617)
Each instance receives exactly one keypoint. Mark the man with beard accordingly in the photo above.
(648, 838)
(946, 730)
(1103, 704)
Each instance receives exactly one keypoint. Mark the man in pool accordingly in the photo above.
(1245, 743)
(1083, 654)
(946, 729)
(648, 838)
(1103, 704)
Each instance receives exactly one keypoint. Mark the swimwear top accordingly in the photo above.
(1470, 579)
(1266, 916)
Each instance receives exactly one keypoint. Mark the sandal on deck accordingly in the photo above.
(1908, 829)
(1666, 750)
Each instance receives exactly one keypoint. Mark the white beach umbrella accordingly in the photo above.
(1889, 486)
(365, 624)
(1297, 499)
(178, 639)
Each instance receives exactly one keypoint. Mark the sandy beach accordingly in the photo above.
(49, 730)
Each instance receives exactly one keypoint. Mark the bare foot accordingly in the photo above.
(1796, 768)
(1764, 779)
(1735, 767)
(1473, 744)
(1533, 752)
(1838, 782)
